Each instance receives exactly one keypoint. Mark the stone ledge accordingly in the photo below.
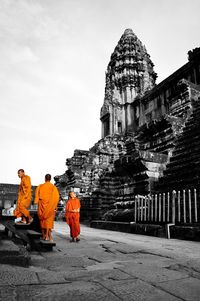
(187, 232)
(148, 229)
(132, 227)
(111, 225)
(10, 253)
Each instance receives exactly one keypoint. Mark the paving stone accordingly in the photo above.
(137, 290)
(8, 247)
(152, 275)
(88, 271)
(49, 277)
(13, 275)
(7, 292)
(10, 253)
(104, 266)
(187, 289)
(76, 291)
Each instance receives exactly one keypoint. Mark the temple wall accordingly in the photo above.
(141, 124)
(9, 192)
(157, 102)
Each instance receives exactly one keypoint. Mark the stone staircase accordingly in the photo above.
(16, 242)
(183, 169)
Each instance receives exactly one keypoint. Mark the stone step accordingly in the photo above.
(189, 135)
(180, 169)
(186, 177)
(192, 120)
(34, 234)
(187, 146)
(12, 254)
(20, 232)
(184, 158)
(167, 186)
(22, 226)
(47, 245)
(182, 155)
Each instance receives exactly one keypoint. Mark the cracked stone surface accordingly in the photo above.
(106, 265)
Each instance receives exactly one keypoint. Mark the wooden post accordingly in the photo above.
(179, 207)
(168, 199)
(173, 206)
(156, 207)
(152, 208)
(135, 208)
(163, 207)
(195, 205)
(145, 208)
(139, 209)
(184, 208)
(190, 207)
(142, 204)
(159, 208)
(149, 207)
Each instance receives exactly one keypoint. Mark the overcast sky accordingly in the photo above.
(53, 58)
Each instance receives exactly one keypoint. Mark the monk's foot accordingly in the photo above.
(21, 223)
(77, 239)
(30, 220)
(72, 240)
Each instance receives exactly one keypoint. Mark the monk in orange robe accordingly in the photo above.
(72, 214)
(24, 198)
(47, 198)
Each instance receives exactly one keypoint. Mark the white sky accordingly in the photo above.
(53, 58)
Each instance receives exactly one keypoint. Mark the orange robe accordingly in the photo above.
(72, 214)
(47, 197)
(24, 197)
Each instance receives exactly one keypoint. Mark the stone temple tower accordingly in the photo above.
(129, 75)
(150, 135)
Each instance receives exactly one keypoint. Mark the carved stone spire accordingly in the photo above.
(129, 75)
(130, 65)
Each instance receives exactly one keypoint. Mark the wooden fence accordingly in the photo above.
(172, 207)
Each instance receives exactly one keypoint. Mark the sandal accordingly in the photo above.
(21, 223)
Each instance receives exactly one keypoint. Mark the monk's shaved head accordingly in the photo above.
(20, 173)
(48, 177)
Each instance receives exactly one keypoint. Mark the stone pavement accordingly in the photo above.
(106, 265)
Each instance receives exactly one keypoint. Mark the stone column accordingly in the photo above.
(102, 129)
(128, 95)
(111, 120)
(129, 118)
(123, 119)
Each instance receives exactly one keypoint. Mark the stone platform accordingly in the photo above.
(106, 265)
(187, 232)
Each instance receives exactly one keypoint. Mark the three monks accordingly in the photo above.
(24, 199)
(47, 198)
(72, 214)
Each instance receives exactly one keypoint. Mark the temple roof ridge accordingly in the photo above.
(128, 31)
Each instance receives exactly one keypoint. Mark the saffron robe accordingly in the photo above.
(72, 215)
(47, 198)
(24, 197)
